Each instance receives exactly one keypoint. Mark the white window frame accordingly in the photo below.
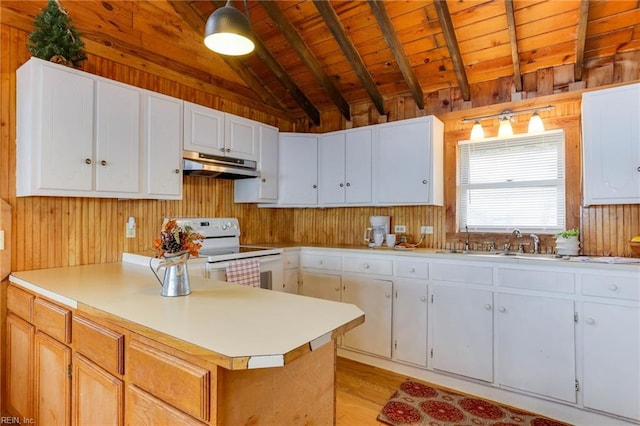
(518, 184)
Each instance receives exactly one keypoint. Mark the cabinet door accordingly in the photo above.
(162, 122)
(98, 397)
(291, 281)
(358, 152)
(268, 163)
(462, 331)
(66, 142)
(331, 168)
(401, 162)
(298, 170)
(610, 144)
(203, 129)
(536, 345)
(117, 138)
(373, 297)
(53, 381)
(410, 321)
(611, 352)
(20, 386)
(240, 137)
(322, 286)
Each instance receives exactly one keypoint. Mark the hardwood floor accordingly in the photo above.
(361, 392)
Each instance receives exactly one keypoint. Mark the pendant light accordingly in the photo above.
(228, 31)
(535, 123)
(505, 128)
(477, 132)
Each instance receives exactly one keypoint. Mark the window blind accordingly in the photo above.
(517, 182)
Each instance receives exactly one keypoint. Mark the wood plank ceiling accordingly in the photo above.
(317, 55)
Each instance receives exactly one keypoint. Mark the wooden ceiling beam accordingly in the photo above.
(390, 35)
(583, 19)
(281, 75)
(513, 41)
(452, 44)
(307, 57)
(197, 22)
(337, 29)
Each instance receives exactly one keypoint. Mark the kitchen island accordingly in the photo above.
(224, 355)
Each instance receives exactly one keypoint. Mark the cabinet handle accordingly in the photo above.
(366, 266)
(613, 287)
(87, 161)
(412, 270)
(502, 309)
(590, 321)
(424, 182)
(103, 163)
(348, 184)
(488, 307)
(177, 171)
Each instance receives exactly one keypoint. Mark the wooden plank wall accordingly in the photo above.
(52, 231)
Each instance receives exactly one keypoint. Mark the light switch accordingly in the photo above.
(130, 231)
(2, 239)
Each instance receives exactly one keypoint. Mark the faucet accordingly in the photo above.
(536, 243)
(466, 242)
(515, 234)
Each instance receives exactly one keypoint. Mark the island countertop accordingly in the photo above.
(241, 327)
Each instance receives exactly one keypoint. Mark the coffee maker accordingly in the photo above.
(375, 235)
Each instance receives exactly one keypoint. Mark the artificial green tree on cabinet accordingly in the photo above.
(54, 38)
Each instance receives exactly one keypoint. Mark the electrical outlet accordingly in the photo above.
(424, 229)
(130, 228)
(399, 229)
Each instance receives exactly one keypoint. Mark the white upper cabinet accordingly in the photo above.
(55, 113)
(117, 138)
(240, 137)
(344, 160)
(298, 179)
(263, 189)
(162, 143)
(611, 144)
(203, 129)
(408, 162)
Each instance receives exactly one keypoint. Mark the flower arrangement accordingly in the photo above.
(575, 232)
(175, 239)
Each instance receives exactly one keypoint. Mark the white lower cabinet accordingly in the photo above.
(410, 321)
(462, 331)
(321, 285)
(536, 345)
(611, 370)
(373, 296)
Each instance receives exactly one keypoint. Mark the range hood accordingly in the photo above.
(198, 164)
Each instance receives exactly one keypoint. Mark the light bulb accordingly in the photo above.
(535, 124)
(505, 128)
(477, 132)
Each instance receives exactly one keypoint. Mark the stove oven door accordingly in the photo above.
(271, 271)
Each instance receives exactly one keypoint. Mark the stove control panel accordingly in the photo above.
(212, 227)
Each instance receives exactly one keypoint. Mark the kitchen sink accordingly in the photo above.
(503, 254)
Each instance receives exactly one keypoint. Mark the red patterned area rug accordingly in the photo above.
(418, 404)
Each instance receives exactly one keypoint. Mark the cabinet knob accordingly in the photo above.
(388, 295)
(639, 168)
(87, 161)
(176, 171)
(424, 182)
(103, 163)
(315, 186)
(321, 262)
(341, 185)
(228, 149)
(337, 289)
(412, 270)
(348, 184)
(366, 266)
(264, 179)
(423, 298)
(613, 287)
(502, 309)
(222, 149)
(590, 321)
(488, 307)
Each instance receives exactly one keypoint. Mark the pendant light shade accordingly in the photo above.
(505, 128)
(477, 132)
(535, 124)
(228, 32)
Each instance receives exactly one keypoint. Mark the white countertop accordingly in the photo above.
(228, 319)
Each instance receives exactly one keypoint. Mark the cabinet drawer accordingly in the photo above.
(20, 302)
(171, 379)
(557, 281)
(52, 319)
(368, 265)
(103, 346)
(291, 261)
(409, 269)
(321, 261)
(145, 409)
(611, 286)
(461, 273)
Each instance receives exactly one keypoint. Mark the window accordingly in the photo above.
(517, 182)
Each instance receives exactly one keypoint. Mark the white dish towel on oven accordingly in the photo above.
(245, 272)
